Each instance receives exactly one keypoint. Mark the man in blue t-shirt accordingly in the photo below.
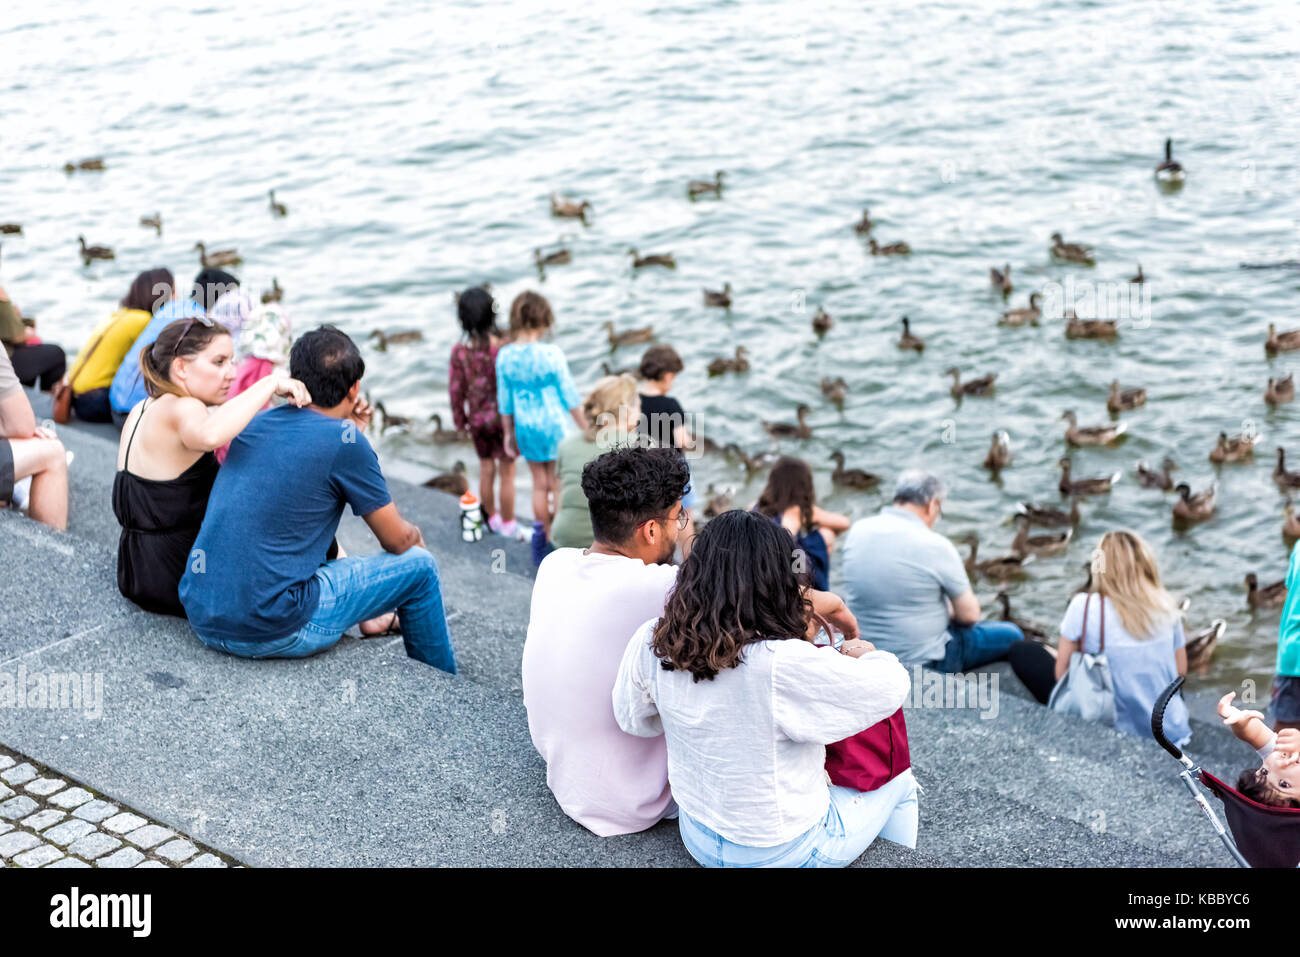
(258, 584)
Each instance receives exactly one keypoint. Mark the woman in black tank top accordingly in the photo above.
(192, 359)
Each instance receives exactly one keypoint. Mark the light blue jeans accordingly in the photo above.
(355, 589)
(853, 820)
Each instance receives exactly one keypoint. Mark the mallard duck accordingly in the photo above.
(1149, 478)
(863, 225)
(1049, 517)
(1280, 391)
(718, 502)
(1239, 448)
(153, 222)
(994, 569)
(275, 293)
(392, 421)
(835, 389)
(222, 257)
(702, 187)
(723, 365)
(607, 369)
(783, 430)
(1270, 596)
(454, 482)
(706, 444)
(1002, 279)
(1019, 317)
(983, 386)
(1122, 400)
(568, 209)
(1031, 631)
(1193, 508)
(752, 463)
(1042, 545)
(1091, 434)
(1087, 584)
(999, 456)
(656, 259)
(94, 252)
(899, 248)
(1281, 476)
(1281, 341)
(822, 322)
(909, 341)
(631, 337)
(1139, 278)
(851, 478)
(277, 209)
(1076, 328)
(1071, 252)
(722, 299)
(1088, 486)
(11, 229)
(1169, 169)
(96, 163)
(1290, 524)
(383, 340)
(560, 257)
(443, 436)
(1201, 645)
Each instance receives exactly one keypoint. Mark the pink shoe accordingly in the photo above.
(494, 523)
(509, 529)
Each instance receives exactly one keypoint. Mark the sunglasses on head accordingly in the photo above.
(208, 323)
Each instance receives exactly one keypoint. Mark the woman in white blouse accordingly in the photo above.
(747, 705)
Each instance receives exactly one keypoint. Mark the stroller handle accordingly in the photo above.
(1158, 717)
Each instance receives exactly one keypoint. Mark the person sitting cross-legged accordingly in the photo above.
(908, 587)
(258, 584)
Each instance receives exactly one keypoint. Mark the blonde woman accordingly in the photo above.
(612, 411)
(1144, 639)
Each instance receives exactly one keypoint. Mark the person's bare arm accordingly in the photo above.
(395, 533)
(508, 430)
(1249, 726)
(17, 420)
(1180, 660)
(837, 523)
(831, 607)
(1063, 652)
(966, 608)
(579, 417)
(203, 430)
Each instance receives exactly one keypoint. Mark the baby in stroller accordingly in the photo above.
(1276, 782)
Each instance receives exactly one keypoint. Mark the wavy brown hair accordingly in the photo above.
(530, 310)
(737, 587)
(790, 483)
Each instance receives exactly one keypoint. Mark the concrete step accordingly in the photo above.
(363, 756)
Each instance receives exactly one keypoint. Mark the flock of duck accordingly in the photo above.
(1189, 507)
(214, 260)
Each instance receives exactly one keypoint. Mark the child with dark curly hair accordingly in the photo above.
(1276, 782)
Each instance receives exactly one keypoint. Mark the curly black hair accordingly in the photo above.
(627, 486)
(658, 361)
(738, 586)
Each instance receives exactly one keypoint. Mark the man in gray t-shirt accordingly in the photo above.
(908, 587)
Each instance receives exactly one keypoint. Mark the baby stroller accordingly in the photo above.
(1262, 836)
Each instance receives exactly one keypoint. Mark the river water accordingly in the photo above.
(416, 149)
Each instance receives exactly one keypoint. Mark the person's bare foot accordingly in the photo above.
(382, 625)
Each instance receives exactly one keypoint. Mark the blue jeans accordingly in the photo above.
(853, 820)
(355, 589)
(970, 646)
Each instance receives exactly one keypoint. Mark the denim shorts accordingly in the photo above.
(1285, 703)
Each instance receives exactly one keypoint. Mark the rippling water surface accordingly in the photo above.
(415, 152)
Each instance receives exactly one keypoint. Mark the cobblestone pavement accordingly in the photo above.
(48, 820)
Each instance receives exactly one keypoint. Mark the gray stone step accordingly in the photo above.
(274, 762)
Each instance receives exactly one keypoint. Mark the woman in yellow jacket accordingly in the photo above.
(96, 364)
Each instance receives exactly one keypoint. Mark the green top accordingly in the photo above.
(11, 327)
(1288, 631)
(572, 525)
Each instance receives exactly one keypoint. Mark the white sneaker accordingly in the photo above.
(22, 493)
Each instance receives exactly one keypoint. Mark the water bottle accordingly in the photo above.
(471, 518)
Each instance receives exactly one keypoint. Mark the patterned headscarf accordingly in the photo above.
(232, 311)
(267, 334)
